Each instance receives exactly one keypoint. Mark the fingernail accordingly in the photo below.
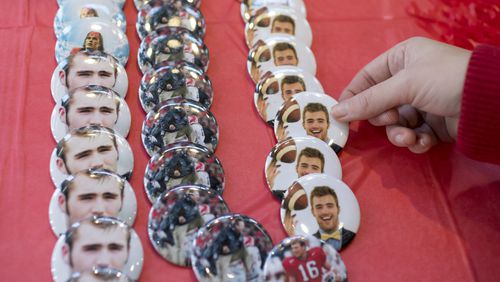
(422, 142)
(339, 110)
(400, 139)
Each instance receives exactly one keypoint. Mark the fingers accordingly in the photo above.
(380, 69)
(386, 118)
(375, 100)
(418, 140)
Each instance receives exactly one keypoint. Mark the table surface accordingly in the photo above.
(430, 217)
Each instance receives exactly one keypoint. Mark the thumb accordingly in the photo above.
(375, 100)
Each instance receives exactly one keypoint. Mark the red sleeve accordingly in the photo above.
(479, 126)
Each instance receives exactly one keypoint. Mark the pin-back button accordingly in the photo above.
(90, 105)
(88, 67)
(177, 120)
(278, 50)
(230, 248)
(304, 258)
(176, 217)
(181, 80)
(295, 157)
(94, 34)
(277, 20)
(309, 114)
(323, 206)
(91, 192)
(73, 10)
(156, 14)
(91, 147)
(248, 7)
(72, 250)
(182, 163)
(280, 84)
(172, 44)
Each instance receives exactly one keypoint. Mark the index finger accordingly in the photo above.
(378, 70)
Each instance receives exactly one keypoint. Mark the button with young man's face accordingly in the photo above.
(90, 193)
(277, 20)
(91, 147)
(88, 67)
(75, 10)
(172, 44)
(309, 114)
(230, 248)
(322, 206)
(179, 80)
(90, 105)
(156, 14)
(120, 3)
(177, 215)
(279, 85)
(252, 8)
(279, 50)
(178, 3)
(295, 157)
(92, 34)
(97, 242)
(304, 258)
(177, 120)
(182, 163)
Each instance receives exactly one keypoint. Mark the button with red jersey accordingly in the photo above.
(304, 258)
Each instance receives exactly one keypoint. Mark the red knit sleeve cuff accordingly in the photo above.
(479, 126)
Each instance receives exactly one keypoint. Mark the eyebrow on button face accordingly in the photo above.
(104, 148)
(105, 73)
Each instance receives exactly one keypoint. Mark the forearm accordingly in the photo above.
(479, 125)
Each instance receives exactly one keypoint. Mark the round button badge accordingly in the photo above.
(172, 44)
(91, 192)
(75, 250)
(74, 10)
(91, 147)
(94, 34)
(90, 105)
(322, 206)
(280, 84)
(279, 50)
(182, 163)
(193, 3)
(249, 8)
(295, 157)
(230, 248)
(176, 217)
(120, 3)
(180, 80)
(309, 114)
(177, 120)
(304, 258)
(88, 67)
(280, 21)
(156, 14)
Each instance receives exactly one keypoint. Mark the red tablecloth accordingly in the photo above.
(431, 217)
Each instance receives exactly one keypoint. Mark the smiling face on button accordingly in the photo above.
(326, 212)
(316, 124)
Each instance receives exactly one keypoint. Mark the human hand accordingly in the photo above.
(271, 172)
(414, 89)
